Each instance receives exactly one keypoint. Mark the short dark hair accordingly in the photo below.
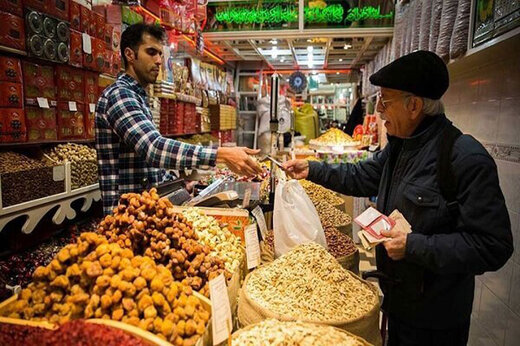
(132, 37)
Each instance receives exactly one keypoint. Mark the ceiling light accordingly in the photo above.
(340, 59)
(309, 40)
(274, 41)
(274, 52)
(310, 49)
(347, 46)
(337, 72)
(282, 59)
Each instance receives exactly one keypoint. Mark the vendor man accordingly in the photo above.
(130, 149)
(430, 273)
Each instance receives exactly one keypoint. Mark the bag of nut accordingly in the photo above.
(295, 219)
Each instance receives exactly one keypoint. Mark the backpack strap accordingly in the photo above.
(445, 176)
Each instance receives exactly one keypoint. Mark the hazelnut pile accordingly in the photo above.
(97, 279)
(147, 224)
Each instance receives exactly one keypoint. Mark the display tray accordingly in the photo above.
(334, 148)
(150, 338)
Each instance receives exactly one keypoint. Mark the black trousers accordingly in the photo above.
(401, 334)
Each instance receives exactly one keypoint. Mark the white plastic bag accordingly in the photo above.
(295, 219)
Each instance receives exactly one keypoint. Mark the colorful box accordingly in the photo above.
(76, 49)
(98, 50)
(116, 64)
(71, 124)
(12, 125)
(11, 95)
(90, 120)
(71, 84)
(107, 36)
(12, 32)
(99, 20)
(91, 87)
(59, 9)
(85, 19)
(38, 5)
(12, 6)
(38, 81)
(41, 124)
(10, 69)
(75, 15)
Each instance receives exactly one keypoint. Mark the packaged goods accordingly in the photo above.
(12, 6)
(41, 123)
(76, 50)
(12, 32)
(309, 285)
(12, 125)
(107, 36)
(98, 54)
(447, 22)
(416, 14)
(38, 5)
(59, 8)
(425, 24)
(85, 19)
(90, 120)
(75, 15)
(71, 84)
(95, 279)
(459, 37)
(11, 95)
(278, 333)
(99, 21)
(91, 87)
(71, 124)
(148, 225)
(38, 81)
(83, 159)
(10, 69)
(435, 24)
(116, 64)
(71, 333)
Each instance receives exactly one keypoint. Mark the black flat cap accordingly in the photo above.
(421, 73)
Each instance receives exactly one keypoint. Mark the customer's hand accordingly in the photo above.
(396, 247)
(297, 169)
(239, 161)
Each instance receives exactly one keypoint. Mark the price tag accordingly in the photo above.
(260, 218)
(42, 102)
(92, 107)
(220, 310)
(58, 173)
(247, 198)
(252, 246)
(87, 43)
(73, 107)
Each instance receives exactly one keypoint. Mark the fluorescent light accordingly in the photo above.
(310, 49)
(340, 59)
(274, 41)
(274, 52)
(282, 59)
(347, 46)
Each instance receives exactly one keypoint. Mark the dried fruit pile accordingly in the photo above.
(148, 225)
(307, 283)
(95, 279)
(330, 215)
(333, 136)
(339, 244)
(70, 333)
(318, 193)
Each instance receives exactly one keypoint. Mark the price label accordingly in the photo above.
(247, 198)
(260, 219)
(87, 44)
(220, 310)
(252, 246)
(58, 173)
(92, 107)
(42, 102)
(73, 107)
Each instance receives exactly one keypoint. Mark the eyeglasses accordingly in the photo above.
(383, 102)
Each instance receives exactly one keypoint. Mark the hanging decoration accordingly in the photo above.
(298, 82)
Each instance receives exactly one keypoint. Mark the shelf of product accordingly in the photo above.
(97, 279)
(83, 159)
(278, 333)
(333, 140)
(308, 284)
(148, 225)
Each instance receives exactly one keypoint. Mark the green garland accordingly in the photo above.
(357, 14)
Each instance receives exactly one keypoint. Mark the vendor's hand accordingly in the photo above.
(239, 161)
(297, 169)
(396, 246)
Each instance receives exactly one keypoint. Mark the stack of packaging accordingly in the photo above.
(12, 121)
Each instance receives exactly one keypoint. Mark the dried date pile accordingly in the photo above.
(97, 279)
(148, 225)
(70, 333)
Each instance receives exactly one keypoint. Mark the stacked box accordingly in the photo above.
(176, 119)
(12, 31)
(190, 118)
(71, 84)
(91, 87)
(41, 124)
(12, 125)
(38, 82)
(76, 49)
(71, 124)
(90, 119)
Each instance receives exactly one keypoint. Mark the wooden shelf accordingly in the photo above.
(35, 144)
(12, 50)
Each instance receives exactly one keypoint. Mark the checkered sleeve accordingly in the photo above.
(126, 116)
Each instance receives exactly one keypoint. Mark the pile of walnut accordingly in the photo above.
(95, 279)
(147, 224)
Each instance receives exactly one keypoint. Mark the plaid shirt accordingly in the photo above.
(129, 147)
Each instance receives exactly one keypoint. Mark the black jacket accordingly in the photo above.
(443, 253)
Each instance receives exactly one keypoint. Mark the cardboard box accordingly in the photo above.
(12, 6)
(91, 87)
(59, 9)
(11, 95)
(85, 19)
(76, 49)
(38, 81)
(107, 67)
(75, 15)
(12, 125)
(71, 125)
(41, 124)
(38, 5)
(71, 83)
(10, 69)
(113, 14)
(107, 36)
(90, 120)
(12, 33)
(98, 49)
(116, 64)
(100, 25)
(116, 38)
(92, 31)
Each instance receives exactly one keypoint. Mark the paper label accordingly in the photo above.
(260, 219)
(42, 102)
(220, 310)
(58, 173)
(91, 107)
(247, 198)
(87, 43)
(73, 107)
(252, 246)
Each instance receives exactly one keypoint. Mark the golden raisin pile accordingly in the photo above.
(147, 224)
(97, 279)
